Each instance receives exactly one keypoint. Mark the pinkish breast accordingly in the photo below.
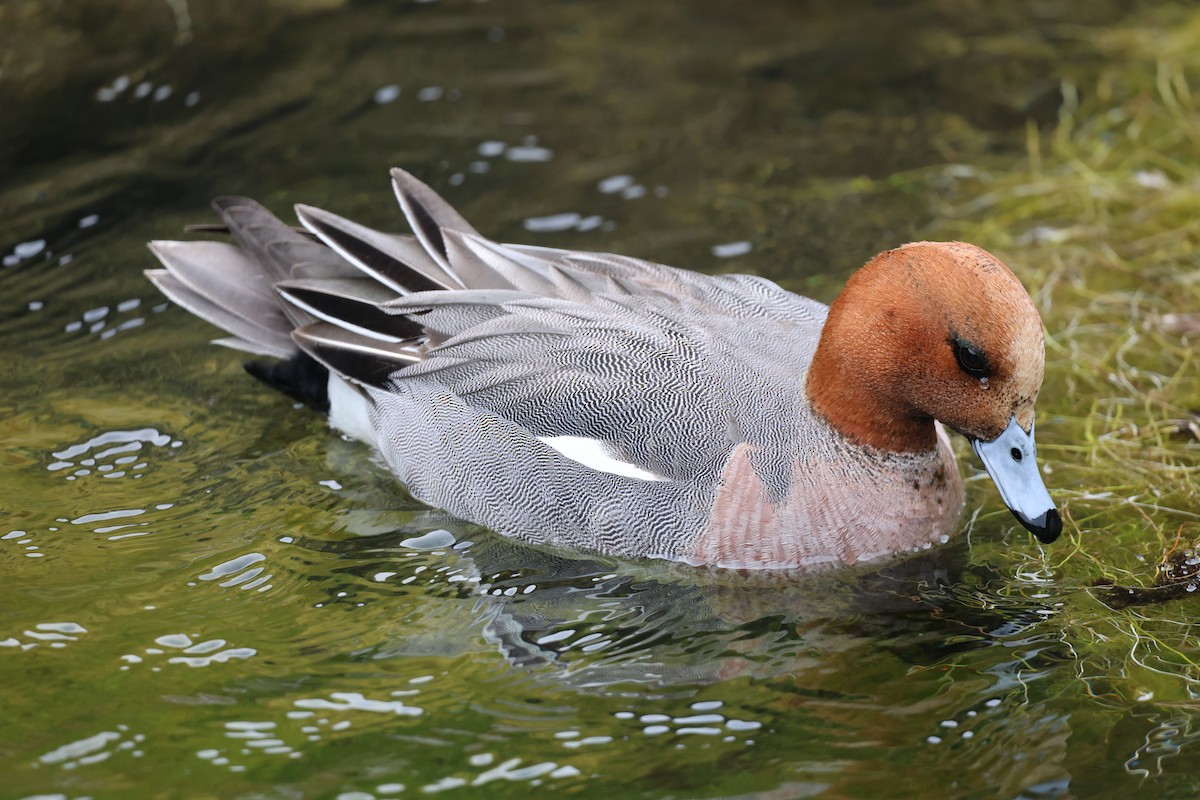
(844, 505)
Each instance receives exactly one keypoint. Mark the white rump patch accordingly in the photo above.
(595, 454)
(348, 410)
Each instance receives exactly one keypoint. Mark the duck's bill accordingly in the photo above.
(1011, 460)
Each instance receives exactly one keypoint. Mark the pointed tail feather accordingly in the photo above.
(225, 276)
(398, 262)
(248, 336)
(428, 214)
(360, 302)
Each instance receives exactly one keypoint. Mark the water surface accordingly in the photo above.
(208, 594)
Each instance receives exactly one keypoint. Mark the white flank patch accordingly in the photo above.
(348, 411)
(594, 453)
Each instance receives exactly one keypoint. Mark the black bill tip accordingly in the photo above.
(1046, 528)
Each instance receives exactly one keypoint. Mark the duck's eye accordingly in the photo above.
(971, 359)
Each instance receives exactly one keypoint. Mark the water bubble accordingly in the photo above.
(616, 183)
(552, 223)
(430, 541)
(743, 725)
(731, 250)
(29, 249)
(528, 154)
(387, 94)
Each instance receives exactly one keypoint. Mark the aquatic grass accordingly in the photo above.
(1101, 220)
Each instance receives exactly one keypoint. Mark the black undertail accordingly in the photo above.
(300, 377)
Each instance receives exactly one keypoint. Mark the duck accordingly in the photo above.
(611, 405)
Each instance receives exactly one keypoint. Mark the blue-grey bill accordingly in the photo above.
(1011, 460)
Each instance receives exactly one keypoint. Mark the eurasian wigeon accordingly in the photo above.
(609, 404)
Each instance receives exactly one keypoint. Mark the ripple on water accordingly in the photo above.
(529, 151)
(123, 87)
(384, 791)
(26, 250)
(386, 94)
(250, 738)
(50, 634)
(731, 249)
(49, 280)
(95, 748)
(515, 770)
(115, 453)
(112, 454)
(356, 701)
(312, 720)
(567, 221)
(97, 320)
(1163, 742)
(113, 524)
(189, 650)
(23, 539)
(702, 718)
(434, 540)
(245, 572)
(626, 187)
(433, 561)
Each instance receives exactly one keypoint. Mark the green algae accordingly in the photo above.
(1101, 219)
